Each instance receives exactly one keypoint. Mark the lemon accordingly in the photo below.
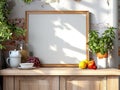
(83, 65)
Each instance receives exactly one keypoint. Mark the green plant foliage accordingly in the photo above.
(102, 43)
(7, 29)
(28, 1)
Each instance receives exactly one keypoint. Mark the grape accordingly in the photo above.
(34, 60)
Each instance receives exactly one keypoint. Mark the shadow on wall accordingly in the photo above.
(58, 39)
(72, 5)
(65, 47)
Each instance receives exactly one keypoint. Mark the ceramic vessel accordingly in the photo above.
(102, 62)
(14, 59)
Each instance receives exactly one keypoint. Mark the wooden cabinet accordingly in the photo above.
(60, 79)
(82, 83)
(55, 83)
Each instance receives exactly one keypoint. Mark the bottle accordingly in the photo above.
(22, 47)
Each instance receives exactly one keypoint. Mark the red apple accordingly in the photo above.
(91, 64)
(94, 67)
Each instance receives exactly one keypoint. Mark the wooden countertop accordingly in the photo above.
(58, 71)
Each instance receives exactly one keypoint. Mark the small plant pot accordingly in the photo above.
(102, 63)
(102, 60)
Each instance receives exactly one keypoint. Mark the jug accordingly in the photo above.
(14, 53)
(14, 58)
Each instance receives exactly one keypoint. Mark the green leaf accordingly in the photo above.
(102, 43)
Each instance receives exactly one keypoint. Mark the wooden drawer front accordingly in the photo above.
(8, 83)
(83, 83)
(37, 83)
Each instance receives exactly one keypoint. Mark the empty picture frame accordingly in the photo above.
(58, 38)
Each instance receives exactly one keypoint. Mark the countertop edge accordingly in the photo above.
(59, 72)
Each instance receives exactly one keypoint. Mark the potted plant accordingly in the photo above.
(7, 30)
(101, 44)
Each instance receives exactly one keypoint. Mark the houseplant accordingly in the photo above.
(101, 44)
(7, 30)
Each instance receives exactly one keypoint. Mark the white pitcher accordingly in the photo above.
(14, 53)
(14, 58)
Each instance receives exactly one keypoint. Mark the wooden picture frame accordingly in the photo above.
(58, 38)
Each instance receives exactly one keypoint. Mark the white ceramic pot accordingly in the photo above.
(102, 63)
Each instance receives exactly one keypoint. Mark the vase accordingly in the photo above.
(102, 63)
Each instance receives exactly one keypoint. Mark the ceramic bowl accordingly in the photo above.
(26, 65)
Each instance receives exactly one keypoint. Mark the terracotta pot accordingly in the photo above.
(100, 56)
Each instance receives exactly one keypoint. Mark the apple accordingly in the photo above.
(92, 65)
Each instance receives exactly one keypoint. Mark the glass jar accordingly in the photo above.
(23, 47)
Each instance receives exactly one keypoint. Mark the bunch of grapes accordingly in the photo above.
(34, 60)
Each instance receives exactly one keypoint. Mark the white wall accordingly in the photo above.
(100, 10)
(103, 13)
